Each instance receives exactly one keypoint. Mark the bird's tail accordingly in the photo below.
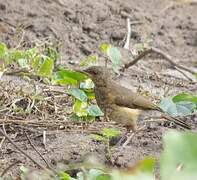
(177, 121)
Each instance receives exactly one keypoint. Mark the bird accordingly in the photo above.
(119, 103)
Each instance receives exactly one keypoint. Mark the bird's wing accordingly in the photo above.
(125, 97)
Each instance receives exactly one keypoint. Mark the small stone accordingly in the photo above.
(61, 127)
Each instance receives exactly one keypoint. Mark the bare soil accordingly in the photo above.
(80, 26)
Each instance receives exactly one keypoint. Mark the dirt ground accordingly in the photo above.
(81, 26)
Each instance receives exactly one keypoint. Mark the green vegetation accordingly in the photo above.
(180, 105)
(40, 63)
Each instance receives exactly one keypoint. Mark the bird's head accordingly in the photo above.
(98, 73)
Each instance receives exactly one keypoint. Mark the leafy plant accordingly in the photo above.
(31, 60)
(113, 55)
(179, 105)
(105, 137)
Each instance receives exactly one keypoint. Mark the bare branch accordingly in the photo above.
(166, 56)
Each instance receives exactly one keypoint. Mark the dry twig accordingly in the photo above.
(23, 152)
(127, 43)
(9, 167)
(32, 145)
(166, 56)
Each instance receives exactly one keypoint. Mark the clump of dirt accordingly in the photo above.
(79, 26)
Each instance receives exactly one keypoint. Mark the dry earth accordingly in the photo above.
(80, 26)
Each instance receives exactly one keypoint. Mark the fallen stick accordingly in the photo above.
(166, 56)
(19, 149)
(127, 43)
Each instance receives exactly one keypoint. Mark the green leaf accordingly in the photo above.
(89, 61)
(146, 165)
(196, 75)
(185, 97)
(79, 108)
(176, 109)
(104, 47)
(63, 80)
(179, 158)
(16, 54)
(3, 50)
(64, 176)
(94, 110)
(115, 57)
(72, 74)
(87, 84)
(74, 117)
(110, 133)
(78, 94)
(36, 62)
(46, 69)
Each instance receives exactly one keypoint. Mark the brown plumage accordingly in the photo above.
(119, 103)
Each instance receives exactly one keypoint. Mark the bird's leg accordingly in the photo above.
(132, 135)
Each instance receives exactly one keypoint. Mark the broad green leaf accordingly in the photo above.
(94, 110)
(179, 158)
(79, 108)
(63, 80)
(196, 75)
(72, 74)
(115, 57)
(104, 47)
(176, 109)
(185, 97)
(87, 84)
(46, 69)
(88, 61)
(110, 133)
(3, 50)
(78, 94)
